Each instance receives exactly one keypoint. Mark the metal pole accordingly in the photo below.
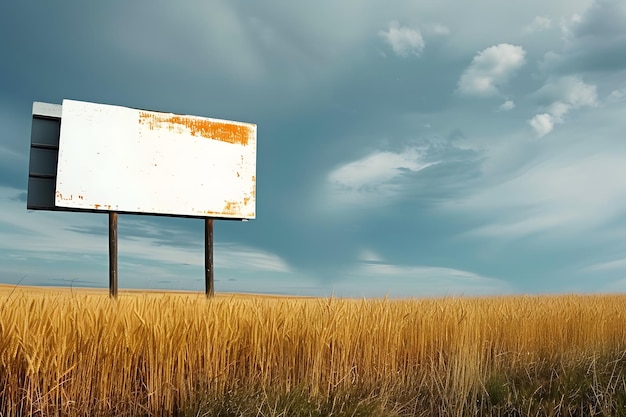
(113, 254)
(208, 257)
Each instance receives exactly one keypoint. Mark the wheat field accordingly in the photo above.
(79, 353)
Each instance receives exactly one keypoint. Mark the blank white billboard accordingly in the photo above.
(115, 158)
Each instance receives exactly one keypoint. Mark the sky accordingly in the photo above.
(405, 149)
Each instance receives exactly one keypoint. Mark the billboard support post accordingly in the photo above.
(113, 254)
(208, 257)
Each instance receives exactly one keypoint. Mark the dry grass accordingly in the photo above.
(77, 352)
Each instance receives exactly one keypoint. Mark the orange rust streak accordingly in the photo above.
(225, 132)
(231, 208)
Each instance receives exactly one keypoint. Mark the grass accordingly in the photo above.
(75, 353)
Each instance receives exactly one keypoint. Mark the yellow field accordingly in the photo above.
(76, 352)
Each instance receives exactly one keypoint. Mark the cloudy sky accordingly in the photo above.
(404, 148)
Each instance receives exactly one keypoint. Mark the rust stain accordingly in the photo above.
(216, 130)
(96, 206)
(232, 208)
(210, 213)
(60, 196)
(253, 191)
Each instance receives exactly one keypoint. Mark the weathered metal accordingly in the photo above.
(120, 159)
(44, 149)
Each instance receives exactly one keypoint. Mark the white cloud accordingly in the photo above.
(403, 40)
(539, 24)
(367, 255)
(379, 279)
(507, 105)
(567, 93)
(617, 96)
(558, 110)
(574, 192)
(374, 178)
(568, 26)
(62, 236)
(439, 29)
(490, 69)
(542, 123)
(376, 168)
(608, 266)
(577, 93)
(241, 257)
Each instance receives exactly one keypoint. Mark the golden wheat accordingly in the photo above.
(80, 353)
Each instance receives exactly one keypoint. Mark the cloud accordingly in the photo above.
(438, 29)
(507, 105)
(617, 264)
(592, 41)
(376, 168)
(377, 278)
(604, 18)
(573, 192)
(539, 24)
(617, 96)
(542, 124)
(68, 237)
(369, 256)
(403, 40)
(568, 25)
(566, 93)
(490, 69)
(374, 178)
(241, 257)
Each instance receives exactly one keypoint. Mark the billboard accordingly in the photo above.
(113, 158)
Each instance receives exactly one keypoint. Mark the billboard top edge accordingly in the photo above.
(164, 113)
(56, 111)
(47, 109)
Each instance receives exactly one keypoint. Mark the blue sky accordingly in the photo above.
(404, 148)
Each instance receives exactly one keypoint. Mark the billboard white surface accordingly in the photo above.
(114, 158)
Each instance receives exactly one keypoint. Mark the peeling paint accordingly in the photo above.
(60, 196)
(211, 129)
(232, 208)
